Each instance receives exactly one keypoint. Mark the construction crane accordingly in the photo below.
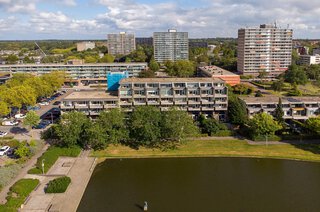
(43, 54)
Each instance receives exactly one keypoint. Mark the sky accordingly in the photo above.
(94, 19)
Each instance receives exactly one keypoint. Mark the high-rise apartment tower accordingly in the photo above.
(264, 49)
(171, 45)
(122, 43)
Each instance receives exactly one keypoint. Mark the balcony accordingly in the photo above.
(194, 108)
(165, 102)
(62, 106)
(78, 106)
(194, 102)
(153, 103)
(125, 103)
(97, 106)
(109, 106)
(139, 103)
(207, 109)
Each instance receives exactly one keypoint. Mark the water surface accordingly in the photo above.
(203, 184)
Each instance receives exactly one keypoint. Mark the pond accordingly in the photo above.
(203, 184)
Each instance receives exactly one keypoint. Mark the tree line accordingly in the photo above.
(25, 89)
(145, 126)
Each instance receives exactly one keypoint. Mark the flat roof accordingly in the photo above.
(91, 95)
(216, 71)
(71, 65)
(159, 80)
(275, 99)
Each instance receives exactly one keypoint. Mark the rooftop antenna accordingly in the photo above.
(275, 24)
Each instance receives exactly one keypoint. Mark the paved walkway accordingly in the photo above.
(24, 171)
(78, 169)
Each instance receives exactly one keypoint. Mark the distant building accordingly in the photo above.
(75, 62)
(302, 50)
(83, 46)
(121, 44)
(171, 45)
(309, 59)
(217, 72)
(144, 41)
(316, 51)
(299, 108)
(198, 44)
(266, 48)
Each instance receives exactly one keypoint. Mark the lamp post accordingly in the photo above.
(42, 164)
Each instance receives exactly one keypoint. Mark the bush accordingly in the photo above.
(58, 185)
(18, 193)
(51, 156)
(7, 173)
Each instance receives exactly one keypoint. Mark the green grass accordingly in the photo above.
(51, 156)
(58, 185)
(18, 193)
(228, 148)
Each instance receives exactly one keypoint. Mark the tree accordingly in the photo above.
(4, 108)
(313, 124)
(107, 58)
(94, 136)
(90, 59)
(258, 93)
(210, 125)
(262, 74)
(138, 55)
(154, 66)
(278, 113)
(262, 124)
(176, 125)
(145, 125)
(237, 112)
(22, 151)
(147, 74)
(70, 129)
(296, 75)
(181, 68)
(277, 85)
(12, 59)
(113, 125)
(32, 119)
(243, 89)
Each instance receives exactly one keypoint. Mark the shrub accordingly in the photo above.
(58, 185)
(51, 156)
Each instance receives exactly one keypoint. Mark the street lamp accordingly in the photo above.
(42, 164)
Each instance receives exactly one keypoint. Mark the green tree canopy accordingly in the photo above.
(237, 112)
(4, 108)
(145, 125)
(313, 124)
(176, 125)
(154, 66)
(296, 75)
(263, 124)
(107, 58)
(32, 119)
(279, 113)
(180, 68)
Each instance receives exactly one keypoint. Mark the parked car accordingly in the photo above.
(19, 116)
(10, 123)
(43, 103)
(39, 126)
(56, 103)
(33, 108)
(2, 134)
(4, 150)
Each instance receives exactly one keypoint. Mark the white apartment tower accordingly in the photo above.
(121, 44)
(171, 45)
(267, 48)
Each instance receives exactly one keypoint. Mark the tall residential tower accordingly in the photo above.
(267, 48)
(171, 45)
(122, 43)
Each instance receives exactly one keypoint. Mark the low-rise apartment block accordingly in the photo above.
(309, 59)
(217, 72)
(83, 46)
(78, 71)
(298, 108)
(195, 95)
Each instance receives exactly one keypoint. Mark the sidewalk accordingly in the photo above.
(23, 172)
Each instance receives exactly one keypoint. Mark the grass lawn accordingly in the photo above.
(51, 156)
(18, 193)
(228, 148)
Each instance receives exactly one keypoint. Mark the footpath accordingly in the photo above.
(23, 172)
(78, 169)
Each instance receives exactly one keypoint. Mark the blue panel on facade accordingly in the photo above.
(113, 79)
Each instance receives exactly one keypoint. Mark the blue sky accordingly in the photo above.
(94, 19)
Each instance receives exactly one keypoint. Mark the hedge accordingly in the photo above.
(58, 185)
(51, 156)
